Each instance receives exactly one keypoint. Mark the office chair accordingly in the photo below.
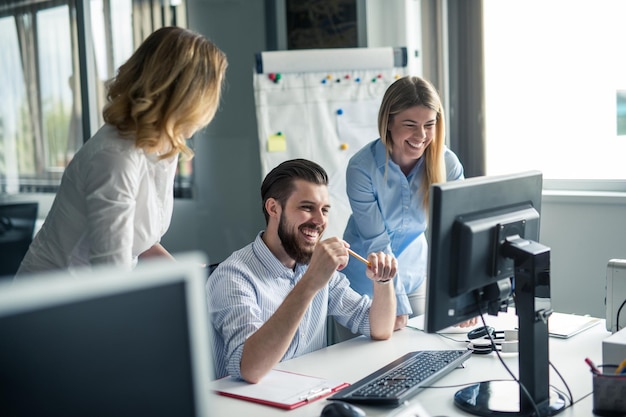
(17, 223)
(212, 267)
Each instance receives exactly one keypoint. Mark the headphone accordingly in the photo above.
(480, 340)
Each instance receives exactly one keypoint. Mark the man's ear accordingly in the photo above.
(273, 208)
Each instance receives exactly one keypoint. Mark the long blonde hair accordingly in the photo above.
(404, 93)
(168, 88)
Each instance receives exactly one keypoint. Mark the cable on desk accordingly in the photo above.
(571, 397)
(582, 398)
(445, 336)
(618, 313)
(493, 345)
(465, 384)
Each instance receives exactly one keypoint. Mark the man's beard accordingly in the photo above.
(299, 253)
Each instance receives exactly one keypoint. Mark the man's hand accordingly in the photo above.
(330, 255)
(382, 267)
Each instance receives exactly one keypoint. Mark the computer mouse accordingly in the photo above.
(341, 409)
(481, 332)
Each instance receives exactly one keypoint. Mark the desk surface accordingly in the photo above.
(356, 358)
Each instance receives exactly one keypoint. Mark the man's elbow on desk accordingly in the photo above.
(382, 330)
(381, 335)
(252, 370)
(251, 374)
(252, 379)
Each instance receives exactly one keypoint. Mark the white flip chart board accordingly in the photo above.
(322, 105)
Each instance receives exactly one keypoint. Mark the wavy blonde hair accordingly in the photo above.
(168, 89)
(404, 93)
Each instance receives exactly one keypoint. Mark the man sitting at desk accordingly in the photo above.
(269, 301)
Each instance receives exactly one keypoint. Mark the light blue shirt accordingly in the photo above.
(247, 288)
(387, 215)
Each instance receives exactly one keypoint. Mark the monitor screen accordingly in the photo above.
(107, 343)
(469, 220)
(17, 223)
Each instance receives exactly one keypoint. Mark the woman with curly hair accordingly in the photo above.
(115, 200)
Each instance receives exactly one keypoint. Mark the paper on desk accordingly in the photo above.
(279, 389)
(564, 325)
(560, 325)
(503, 321)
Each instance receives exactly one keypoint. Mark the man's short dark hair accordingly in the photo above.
(279, 182)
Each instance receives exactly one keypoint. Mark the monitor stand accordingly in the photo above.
(532, 304)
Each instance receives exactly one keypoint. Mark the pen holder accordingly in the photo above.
(609, 392)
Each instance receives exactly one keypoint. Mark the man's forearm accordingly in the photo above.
(266, 347)
(383, 311)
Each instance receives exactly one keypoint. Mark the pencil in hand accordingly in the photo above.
(359, 257)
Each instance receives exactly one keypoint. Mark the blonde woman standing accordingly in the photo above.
(387, 182)
(115, 200)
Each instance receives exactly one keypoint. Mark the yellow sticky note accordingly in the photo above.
(277, 143)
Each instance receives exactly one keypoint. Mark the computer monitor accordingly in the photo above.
(17, 223)
(103, 342)
(484, 255)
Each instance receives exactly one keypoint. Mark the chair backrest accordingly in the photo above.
(17, 223)
(212, 267)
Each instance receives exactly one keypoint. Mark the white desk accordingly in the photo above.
(354, 359)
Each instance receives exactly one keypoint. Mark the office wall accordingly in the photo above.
(583, 232)
(226, 214)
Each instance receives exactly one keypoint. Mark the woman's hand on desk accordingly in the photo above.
(468, 323)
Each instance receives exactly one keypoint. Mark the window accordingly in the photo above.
(44, 115)
(554, 71)
(58, 88)
(16, 151)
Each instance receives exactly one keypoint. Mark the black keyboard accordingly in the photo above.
(396, 382)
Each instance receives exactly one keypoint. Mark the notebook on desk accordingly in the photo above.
(286, 390)
(563, 325)
(503, 321)
(560, 325)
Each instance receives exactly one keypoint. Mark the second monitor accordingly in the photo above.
(106, 342)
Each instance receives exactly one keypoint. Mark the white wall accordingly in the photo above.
(396, 23)
(226, 212)
(583, 232)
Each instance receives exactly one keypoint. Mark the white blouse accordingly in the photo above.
(115, 201)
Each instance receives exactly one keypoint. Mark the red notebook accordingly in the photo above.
(280, 389)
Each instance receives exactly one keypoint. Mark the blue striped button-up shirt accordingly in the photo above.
(248, 287)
